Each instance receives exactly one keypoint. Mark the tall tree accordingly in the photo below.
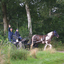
(4, 16)
(29, 19)
(7, 11)
(50, 4)
(27, 2)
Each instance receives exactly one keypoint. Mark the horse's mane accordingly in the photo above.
(50, 33)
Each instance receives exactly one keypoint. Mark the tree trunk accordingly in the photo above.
(4, 16)
(49, 12)
(29, 19)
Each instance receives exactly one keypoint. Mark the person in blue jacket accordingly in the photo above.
(10, 33)
(18, 35)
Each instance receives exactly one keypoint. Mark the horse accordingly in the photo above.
(44, 39)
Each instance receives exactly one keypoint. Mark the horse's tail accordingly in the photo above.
(32, 41)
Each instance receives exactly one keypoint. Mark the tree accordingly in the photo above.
(7, 12)
(29, 19)
(28, 16)
(4, 16)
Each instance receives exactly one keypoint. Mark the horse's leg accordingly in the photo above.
(45, 46)
(50, 46)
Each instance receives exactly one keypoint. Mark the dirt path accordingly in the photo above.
(61, 51)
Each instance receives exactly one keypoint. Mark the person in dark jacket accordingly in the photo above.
(10, 33)
(18, 35)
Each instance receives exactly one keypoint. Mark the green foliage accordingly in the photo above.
(3, 38)
(58, 45)
(19, 54)
(39, 10)
(16, 56)
(43, 57)
(11, 52)
(24, 31)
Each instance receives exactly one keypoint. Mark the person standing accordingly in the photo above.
(10, 33)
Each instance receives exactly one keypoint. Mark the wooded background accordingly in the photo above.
(32, 17)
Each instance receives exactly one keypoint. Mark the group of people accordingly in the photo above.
(10, 34)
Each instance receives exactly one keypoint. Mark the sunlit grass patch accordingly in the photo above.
(33, 52)
(52, 50)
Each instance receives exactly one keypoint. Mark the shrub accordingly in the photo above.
(2, 58)
(19, 54)
(23, 31)
(58, 45)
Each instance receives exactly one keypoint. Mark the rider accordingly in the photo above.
(18, 35)
(10, 33)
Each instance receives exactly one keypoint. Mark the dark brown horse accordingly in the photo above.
(44, 39)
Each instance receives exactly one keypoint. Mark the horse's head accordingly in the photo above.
(55, 34)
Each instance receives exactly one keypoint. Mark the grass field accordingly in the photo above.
(43, 57)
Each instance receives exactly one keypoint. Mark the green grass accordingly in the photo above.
(43, 57)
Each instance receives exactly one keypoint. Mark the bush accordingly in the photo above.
(19, 54)
(11, 52)
(58, 45)
(3, 38)
(2, 58)
(23, 31)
